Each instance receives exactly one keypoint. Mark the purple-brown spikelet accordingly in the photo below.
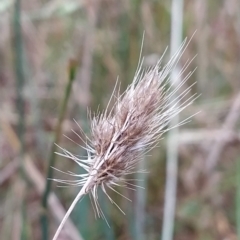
(120, 137)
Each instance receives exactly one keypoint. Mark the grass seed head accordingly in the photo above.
(122, 135)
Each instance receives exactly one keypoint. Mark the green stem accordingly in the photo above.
(18, 49)
(19, 70)
(52, 157)
(238, 199)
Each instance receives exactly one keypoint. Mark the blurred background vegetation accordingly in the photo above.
(42, 42)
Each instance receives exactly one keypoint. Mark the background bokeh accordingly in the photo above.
(41, 41)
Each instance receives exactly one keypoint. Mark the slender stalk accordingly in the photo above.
(238, 198)
(140, 204)
(19, 70)
(172, 141)
(52, 157)
(20, 82)
(75, 201)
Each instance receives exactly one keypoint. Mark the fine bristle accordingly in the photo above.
(122, 135)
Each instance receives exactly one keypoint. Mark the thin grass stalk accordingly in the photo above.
(238, 198)
(18, 220)
(140, 214)
(78, 197)
(7, 221)
(52, 157)
(172, 139)
(18, 48)
(19, 71)
(81, 214)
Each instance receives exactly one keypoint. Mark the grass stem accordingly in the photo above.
(52, 157)
(238, 198)
(172, 144)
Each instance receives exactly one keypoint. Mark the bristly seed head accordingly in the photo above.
(120, 137)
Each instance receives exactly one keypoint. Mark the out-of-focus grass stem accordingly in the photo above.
(172, 141)
(19, 70)
(238, 198)
(140, 215)
(52, 157)
(17, 45)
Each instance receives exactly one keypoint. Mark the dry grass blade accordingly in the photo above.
(38, 181)
(216, 149)
(132, 127)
